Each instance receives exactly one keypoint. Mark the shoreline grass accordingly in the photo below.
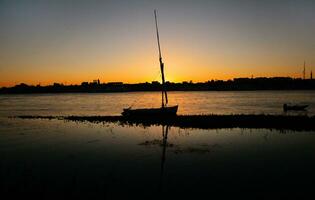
(282, 122)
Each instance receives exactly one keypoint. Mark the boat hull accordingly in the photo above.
(294, 107)
(150, 112)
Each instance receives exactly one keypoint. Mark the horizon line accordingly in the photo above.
(152, 81)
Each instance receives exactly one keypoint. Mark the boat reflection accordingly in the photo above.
(165, 130)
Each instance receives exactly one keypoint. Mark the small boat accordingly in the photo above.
(295, 107)
(164, 110)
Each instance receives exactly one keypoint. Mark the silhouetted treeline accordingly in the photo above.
(261, 83)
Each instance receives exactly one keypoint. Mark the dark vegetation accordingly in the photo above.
(280, 122)
(261, 83)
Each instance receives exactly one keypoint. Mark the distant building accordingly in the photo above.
(241, 79)
(84, 84)
(21, 85)
(311, 75)
(155, 83)
(96, 82)
(57, 84)
(115, 83)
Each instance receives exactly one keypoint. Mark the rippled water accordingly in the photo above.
(189, 102)
(55, 159)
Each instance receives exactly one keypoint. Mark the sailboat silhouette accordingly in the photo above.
(164, 110)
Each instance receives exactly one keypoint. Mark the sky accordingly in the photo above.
(42, 42)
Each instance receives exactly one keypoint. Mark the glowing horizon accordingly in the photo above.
(134, 81)
(66, 42)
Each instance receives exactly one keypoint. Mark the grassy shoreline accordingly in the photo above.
(281, 122)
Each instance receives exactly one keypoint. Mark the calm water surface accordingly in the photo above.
(52, 159)
(268, 102)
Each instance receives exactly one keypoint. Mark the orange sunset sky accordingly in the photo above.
(74, 41)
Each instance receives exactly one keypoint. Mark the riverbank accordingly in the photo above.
(237, 84)
(279, 122)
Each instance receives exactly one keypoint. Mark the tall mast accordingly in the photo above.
(164, 93)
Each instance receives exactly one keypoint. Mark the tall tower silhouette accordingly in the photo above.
(311, 75)
(304, 71)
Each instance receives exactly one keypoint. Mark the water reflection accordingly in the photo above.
(163, 157)
(223, 102)
(106, 161)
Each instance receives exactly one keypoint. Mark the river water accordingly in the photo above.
(236, 102)
(56, 159)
